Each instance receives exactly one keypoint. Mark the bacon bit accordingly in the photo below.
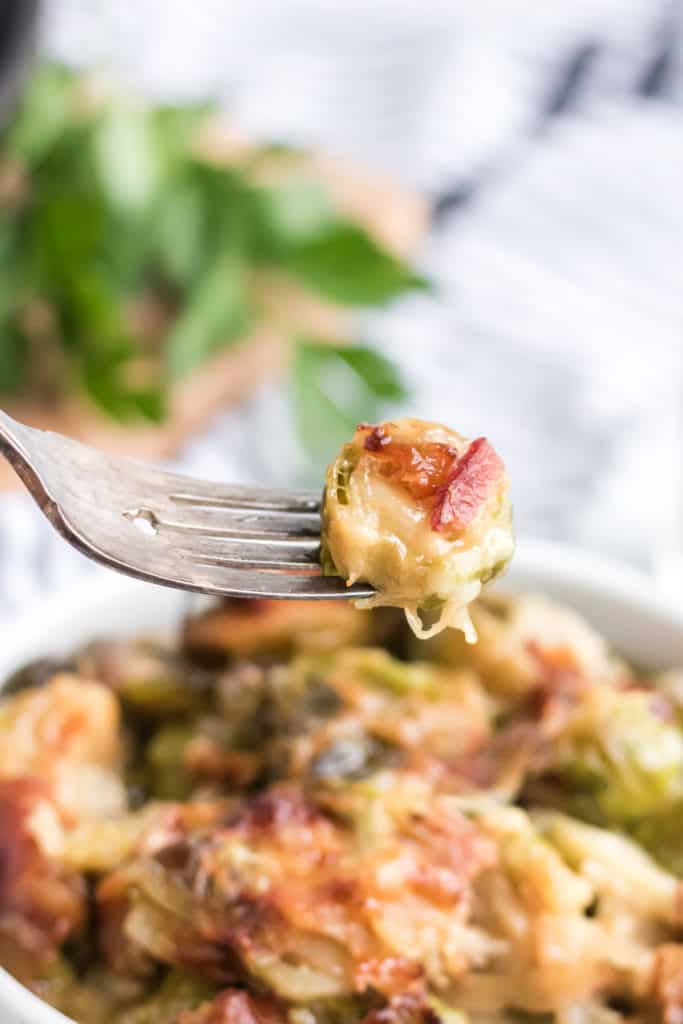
(468, 487)
(667, 982)
(421, 469)
(376, 439)
(409, 1008)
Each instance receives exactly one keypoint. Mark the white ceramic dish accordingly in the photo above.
(618, 601)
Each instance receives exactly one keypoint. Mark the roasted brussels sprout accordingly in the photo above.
(423, 515)
(620, 760)
(520, 640)
(274, 630)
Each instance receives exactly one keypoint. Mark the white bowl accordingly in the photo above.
(618, 601)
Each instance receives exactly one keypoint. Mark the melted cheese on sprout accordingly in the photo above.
(408, 511)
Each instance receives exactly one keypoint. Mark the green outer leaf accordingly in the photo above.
(215, 315)
(344, 264)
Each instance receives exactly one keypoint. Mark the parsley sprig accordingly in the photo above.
(129, 257)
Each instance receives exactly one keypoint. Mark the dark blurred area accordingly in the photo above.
(230, 233)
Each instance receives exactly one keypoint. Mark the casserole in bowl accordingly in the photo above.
(618, 603)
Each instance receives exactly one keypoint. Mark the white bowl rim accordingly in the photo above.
(538, 565)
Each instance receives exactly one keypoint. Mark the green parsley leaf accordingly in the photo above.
(344, 264)
(127, 157)
(216, 314)
(288, 215)
(333, 388)
(104, 379)
(379, 374)
(43, 114)
(13, 359)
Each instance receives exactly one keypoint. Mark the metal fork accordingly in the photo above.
(170, 529)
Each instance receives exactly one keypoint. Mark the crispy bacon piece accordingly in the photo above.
(459, 484)
(421, 469)
(235, 1006)
(39, 905)
(468, 487)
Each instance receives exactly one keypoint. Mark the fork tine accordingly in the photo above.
(230, 520)
(211, 578)
(247, 552)
(210, 538)
(202, 494)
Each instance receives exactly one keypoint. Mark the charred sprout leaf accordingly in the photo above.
(169, 779)
(161, 696)
(177, 992)
(334, 387)
(344, 264)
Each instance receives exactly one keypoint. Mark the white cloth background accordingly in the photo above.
(557, 327)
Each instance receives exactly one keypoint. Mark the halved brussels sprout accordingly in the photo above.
(423, 515)
(620, 760)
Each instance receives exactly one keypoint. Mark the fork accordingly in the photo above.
(232, 541)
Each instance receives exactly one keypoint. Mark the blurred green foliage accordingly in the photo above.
(108, 207)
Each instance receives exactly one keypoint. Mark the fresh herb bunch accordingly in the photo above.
(129, 255)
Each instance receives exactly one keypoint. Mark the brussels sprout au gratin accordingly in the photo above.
(423, 515)
(282, 817)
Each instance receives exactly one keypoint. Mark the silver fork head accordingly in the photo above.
(170, 529)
